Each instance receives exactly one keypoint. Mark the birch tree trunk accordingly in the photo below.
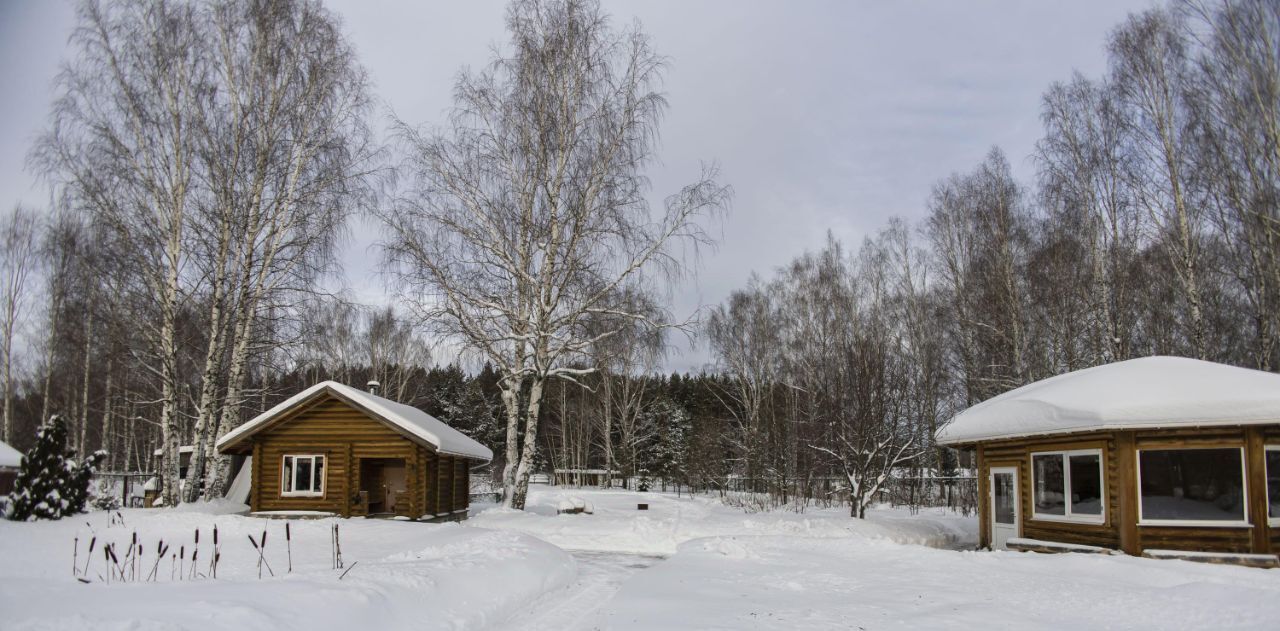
(18, 258)
(527, 217)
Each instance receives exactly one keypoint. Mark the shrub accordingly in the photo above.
(50, 484)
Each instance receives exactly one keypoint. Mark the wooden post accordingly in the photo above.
(1127, 487)
(459, 485)
(352, 481)
(413, 478)
(255, 475)
(429, 479)
(1256, 472)
(984, 518)
(444, 495)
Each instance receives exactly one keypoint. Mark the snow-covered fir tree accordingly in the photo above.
(665, 450)
(51, 484)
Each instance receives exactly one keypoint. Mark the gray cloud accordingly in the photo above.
(823, 115)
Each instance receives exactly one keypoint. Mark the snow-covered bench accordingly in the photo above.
(574, 506)
(1227, 558)
(1021, 544)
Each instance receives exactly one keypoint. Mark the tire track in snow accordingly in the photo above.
(581, 605)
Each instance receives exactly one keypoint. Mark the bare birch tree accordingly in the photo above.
(1149, 59)
(1085, 174)
(19, 246)
(1235, 107)
(289, 152)
(528, 213)
(122, 138)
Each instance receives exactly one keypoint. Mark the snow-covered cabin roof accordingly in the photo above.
(410, 420)
(9, 457)
(184, 449)
(1141, 393)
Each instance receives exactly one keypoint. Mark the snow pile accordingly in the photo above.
(803, 583)
(1146, 392)
(573, 506)
(400, 575)
(617, 526)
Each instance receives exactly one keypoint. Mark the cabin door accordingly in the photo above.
(1004, 506)
(383, 485)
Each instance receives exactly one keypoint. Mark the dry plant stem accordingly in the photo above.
(344, 572)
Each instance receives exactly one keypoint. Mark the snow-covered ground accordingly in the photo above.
(581, 605)
(401, 575)
(774, 582)
(617, 525)
(683, 564)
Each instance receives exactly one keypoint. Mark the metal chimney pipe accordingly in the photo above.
(373, 387)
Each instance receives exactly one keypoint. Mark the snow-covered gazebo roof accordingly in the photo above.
(409, 420)
(9, 457)
(1139, 393)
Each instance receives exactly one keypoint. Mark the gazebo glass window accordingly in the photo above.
(1192, 485)
(1067, 485)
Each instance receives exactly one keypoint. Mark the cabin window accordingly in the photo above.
(1067, 485)
(1273, 484)
(1192, 486)
(302, 476)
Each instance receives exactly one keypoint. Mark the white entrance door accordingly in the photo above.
(1004, 506)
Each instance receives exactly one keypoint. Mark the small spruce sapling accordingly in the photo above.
(50, 484)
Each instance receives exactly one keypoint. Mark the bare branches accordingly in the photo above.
(523, 229)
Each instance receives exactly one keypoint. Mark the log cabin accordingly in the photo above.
(1158, 456)
(334, 449)
(10, 462)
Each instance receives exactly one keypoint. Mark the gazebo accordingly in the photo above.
(1158, 456)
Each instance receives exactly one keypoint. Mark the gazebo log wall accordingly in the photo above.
(1121, 529)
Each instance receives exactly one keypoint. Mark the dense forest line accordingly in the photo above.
(206, 156)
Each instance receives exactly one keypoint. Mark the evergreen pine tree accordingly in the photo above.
(50, 484)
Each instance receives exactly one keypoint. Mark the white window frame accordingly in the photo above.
(1266, 481)
(293, 473)
(1067, 516)
(1212, 523)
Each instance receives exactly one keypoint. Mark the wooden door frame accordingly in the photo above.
(1016, 470)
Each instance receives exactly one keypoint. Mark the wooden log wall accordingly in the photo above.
(435, 485)
(444, 485)
(461, 490)
(1018, 454)
(1121, 529)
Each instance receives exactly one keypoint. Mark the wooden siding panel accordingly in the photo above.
(1195, 539)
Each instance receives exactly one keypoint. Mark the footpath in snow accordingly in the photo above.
(617, 526)
(619, 544)
(725, 569)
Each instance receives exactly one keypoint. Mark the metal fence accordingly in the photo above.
(125, 485)
(958, 493)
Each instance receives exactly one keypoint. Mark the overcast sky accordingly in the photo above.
(823, 115)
